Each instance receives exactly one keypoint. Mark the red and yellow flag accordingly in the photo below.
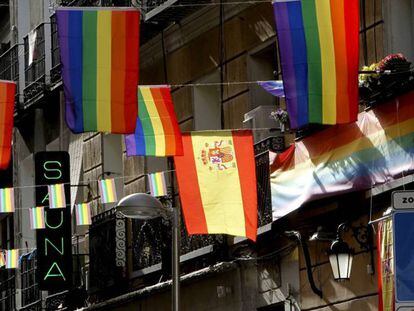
(385, 266)
(217, 181)
(7, 94)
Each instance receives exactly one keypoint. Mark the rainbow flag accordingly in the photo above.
(7, 200)
(217, 181)
(2, 259)
(99, 51)
(12, 259)
(83, 214)
(7, 98)
(57, 197)
(107, 190)
(374, 150)
(157, 132)
(319, 54)
(37, 218)
(157, 184)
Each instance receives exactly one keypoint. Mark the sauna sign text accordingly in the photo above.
(54, 252)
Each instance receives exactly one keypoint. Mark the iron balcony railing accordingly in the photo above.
(35, 71)
(108, 253)
(29, 287)
(9, 67)
(7, 291)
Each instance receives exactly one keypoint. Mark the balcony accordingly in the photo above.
(150, 251)
(34, 72)
(9, 67)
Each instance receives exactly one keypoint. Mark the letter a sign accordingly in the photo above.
(54, 251)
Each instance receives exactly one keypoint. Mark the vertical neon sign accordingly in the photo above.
(54, 252)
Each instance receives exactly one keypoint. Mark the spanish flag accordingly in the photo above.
(217, 181)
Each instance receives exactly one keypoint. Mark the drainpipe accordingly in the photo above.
(296, 235)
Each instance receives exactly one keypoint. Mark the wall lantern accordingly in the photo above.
(340, 257)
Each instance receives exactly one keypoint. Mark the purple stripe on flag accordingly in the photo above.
(284, 33)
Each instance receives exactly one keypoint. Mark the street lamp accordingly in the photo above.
(143, 206)
(340, 257)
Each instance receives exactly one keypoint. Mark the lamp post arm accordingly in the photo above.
(305, 249)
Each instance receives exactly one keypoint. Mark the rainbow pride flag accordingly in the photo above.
(83, 214)
(99, 51)
(7, 200)
(57, 198)
(319, 53)
(107, 190)
(157, 132)
(37, 218)
(157, 184)
(374, 150)
(12, 259)
(7, 98)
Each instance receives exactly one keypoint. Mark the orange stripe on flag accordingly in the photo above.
(118, 63)
(339, 37)
(194, 217)
(243, 145)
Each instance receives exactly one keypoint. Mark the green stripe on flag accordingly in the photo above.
(89, 71)
(310, 23)
(146, 125)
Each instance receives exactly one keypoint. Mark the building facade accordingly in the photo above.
(203, 51)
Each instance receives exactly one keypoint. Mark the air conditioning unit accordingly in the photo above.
(260, 119)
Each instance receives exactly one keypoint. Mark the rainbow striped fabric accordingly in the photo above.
(99, 51)
(157, 132)
(157, 184)
(319, 53)
(7, 97)
(107, 190)
(57, 198)
(2, 259)
(37, 218)
(12, 259)
(374, 150)
(83, 214)
(7, 200)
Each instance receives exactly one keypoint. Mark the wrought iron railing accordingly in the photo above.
(34, 71)
(9, 67)
(264, 197)
(29, 287)
(55, 71)
(7, 292)
(107, 249)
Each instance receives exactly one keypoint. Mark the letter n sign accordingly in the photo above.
(54, 249)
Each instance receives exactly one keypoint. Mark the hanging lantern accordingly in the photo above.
(340, 257)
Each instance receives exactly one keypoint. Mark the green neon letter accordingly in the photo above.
(49, 273)
(54, 227)
(51, 171)
(60, 251)
(46, 198)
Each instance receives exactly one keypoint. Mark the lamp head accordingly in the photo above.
(141, 206)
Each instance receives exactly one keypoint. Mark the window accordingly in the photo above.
(371, 32)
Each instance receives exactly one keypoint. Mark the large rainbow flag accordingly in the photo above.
(157, 132)
(7, 95)
(379, 147)
(99, 51)
(319, 53)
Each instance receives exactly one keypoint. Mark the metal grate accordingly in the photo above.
(7, 292)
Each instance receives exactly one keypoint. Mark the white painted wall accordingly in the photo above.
(399, 27)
